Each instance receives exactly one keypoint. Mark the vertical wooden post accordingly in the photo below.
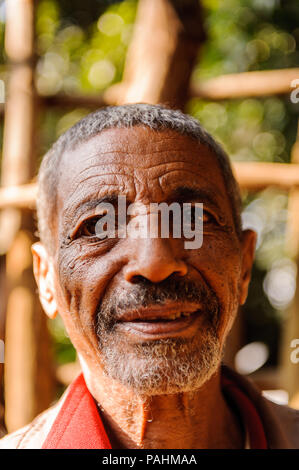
(28, 383)
(289, 370)
(2, 322)
(162, 53)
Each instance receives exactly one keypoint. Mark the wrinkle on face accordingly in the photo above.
(145, 167)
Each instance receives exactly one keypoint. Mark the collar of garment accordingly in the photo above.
(78, 424)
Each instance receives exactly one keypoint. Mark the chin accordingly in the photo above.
(164, 367)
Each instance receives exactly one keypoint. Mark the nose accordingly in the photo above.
(155, 261)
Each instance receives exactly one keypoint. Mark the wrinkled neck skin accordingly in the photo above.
(199, 419)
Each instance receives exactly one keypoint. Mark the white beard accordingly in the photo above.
(165, 366)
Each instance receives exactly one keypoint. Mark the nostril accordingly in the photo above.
(182, 269)
(179, 273)
(137, 278)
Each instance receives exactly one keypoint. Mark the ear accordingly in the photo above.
(44, 276)
(248, 249)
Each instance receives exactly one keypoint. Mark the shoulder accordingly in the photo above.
(33, 435)
(281, 423)
(289, 421)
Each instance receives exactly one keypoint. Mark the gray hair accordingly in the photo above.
(155, 117)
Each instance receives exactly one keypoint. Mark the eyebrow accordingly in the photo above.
(187, 193)
(180, 194)
(92, 204)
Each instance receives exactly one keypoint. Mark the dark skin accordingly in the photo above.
(74, 277)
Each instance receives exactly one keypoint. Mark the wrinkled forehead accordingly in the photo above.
(137, 160)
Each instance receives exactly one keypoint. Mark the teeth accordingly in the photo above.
(174, 316)
(179, 314)
(186, 314)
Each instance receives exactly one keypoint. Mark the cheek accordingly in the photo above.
(219, 262)
(81, 281)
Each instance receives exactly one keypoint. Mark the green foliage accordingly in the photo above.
(249, 35)
(64, 351)
(74, 58)
(250, 129)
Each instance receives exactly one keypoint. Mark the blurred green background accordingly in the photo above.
(82, 48)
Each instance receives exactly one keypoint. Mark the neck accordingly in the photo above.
(199, 419)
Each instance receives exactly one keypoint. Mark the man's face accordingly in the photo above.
(150, 313)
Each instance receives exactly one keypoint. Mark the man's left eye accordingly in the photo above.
(196, 216)
(207, 217)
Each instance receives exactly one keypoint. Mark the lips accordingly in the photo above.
(160, 321)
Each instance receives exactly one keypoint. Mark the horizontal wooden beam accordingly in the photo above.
(258, 175)
(252, 176)
(231, 86)
(246, 84)
(23, 196)
(73, 101)
(168, 56)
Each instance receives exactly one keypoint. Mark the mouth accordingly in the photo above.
(161, 321)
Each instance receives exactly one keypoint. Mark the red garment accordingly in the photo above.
(78, 424)
(247, 411)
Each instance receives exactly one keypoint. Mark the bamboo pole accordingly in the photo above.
(246, 84)
(255, 176)
(161, 55)
(2, 336)
(26, 340)
(230, 86)
(21, 197)
(252, 176)
(289, 370)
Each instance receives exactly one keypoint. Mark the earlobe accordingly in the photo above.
(43, 273)
(248, 250)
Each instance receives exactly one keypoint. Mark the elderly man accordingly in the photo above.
(147, 315)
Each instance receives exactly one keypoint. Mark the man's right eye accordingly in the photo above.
(89, 227)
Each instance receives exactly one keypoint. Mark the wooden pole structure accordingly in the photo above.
(2, 337)
(246, 84)
(27, 377)
(290, 370)
(22, 196)
(255, 176)
(223, 87)
(161, 55)
(252, 176)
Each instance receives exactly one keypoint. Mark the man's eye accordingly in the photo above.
(207, 217)
(197, 217)
(100, 226)
(88, 228)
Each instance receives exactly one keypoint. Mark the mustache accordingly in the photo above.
(146, 294)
